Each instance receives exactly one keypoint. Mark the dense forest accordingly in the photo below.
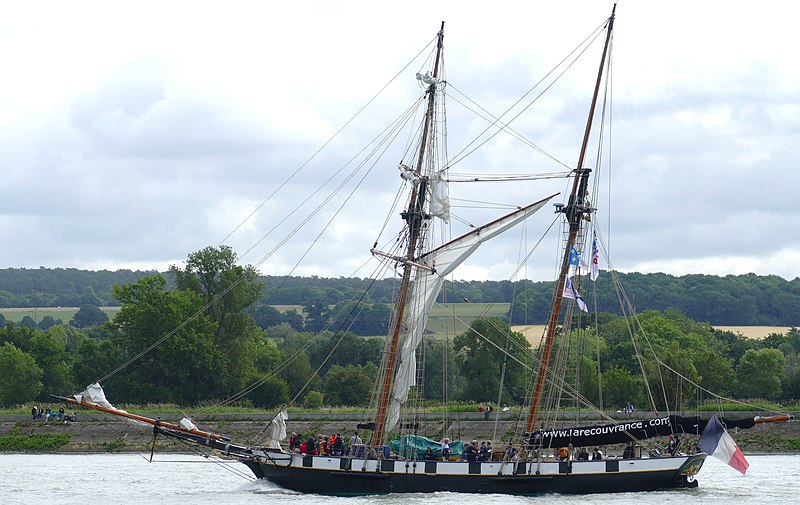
(202, 334)
(731, 300)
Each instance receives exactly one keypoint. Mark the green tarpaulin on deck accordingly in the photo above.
(406, 445)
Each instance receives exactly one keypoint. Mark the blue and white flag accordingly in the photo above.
(571, 292)
(574, 256)
(595, 271)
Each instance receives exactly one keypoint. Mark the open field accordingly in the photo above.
(757, 332)
(454, 318)
(449, 319)
(37, 313)
(533, 333)
(446, 319)
(284, 308)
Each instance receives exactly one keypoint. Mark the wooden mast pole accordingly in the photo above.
(574, 211)
(143, 419)
(414, 217)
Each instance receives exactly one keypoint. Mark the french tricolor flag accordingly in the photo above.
(716, 442)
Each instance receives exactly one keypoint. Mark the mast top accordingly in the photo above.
(574, 211)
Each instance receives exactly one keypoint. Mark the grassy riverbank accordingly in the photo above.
(101, 433)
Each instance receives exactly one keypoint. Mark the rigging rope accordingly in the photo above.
(503, 125)
(261, 261)
(327, 142)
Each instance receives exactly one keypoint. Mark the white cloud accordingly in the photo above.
(782, 263)
(136, 134)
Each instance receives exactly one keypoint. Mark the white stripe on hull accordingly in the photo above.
(463, 467)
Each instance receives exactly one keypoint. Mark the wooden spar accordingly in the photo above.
(414, 217)
(574, 211)
(143, 419)
(773, 419)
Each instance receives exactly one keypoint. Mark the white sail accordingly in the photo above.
(94, 395)
(425, 288)
(440, 201)
(187, 424)
(277, 430)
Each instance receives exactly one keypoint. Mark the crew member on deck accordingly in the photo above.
(672, 446)
(628, 453)
(471, 451)
(446, 449)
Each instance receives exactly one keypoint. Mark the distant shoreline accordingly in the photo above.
(99, 433)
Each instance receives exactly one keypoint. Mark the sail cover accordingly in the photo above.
(415, 446)
(425, 288)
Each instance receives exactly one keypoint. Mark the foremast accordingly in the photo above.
(575, 211)
(414, 216)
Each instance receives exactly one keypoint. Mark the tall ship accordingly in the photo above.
(546, 453)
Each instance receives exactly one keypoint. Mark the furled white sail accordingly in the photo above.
(440, 201)
(277, 430)
(187, 424)
(425, 288)
(94, 395)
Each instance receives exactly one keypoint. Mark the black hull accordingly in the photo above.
(568, 480)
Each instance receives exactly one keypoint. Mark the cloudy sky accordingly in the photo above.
(132, 134)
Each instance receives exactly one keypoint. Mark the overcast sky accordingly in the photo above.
(132, 134)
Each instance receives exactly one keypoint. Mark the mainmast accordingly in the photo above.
(414, 217)
(575, 210)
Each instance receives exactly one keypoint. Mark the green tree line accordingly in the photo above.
(734, 300)
(730, 300)
(191, 337)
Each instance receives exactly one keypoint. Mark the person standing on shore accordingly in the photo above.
(629, 409)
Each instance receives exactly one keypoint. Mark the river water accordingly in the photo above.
(99, 479)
